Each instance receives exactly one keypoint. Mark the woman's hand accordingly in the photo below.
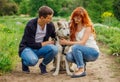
(64, 42)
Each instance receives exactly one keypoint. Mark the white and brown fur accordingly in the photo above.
(60, 61)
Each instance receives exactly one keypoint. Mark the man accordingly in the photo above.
(35, 44)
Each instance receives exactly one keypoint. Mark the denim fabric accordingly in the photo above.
(81, 54)
(31, 56)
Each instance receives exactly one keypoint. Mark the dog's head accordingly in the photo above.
(63, 29)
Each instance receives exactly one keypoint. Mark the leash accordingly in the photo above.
(63, 49)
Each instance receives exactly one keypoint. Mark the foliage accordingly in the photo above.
(97, 7)
(18, 1)
(109, 37)
(61, 8)
(116, 9)
(64, 8)
(33, 9)
(115, 48)
(11, 29)
(12, 26)
(107, 14)
(108, 18)
(7, 8)
(23, 7)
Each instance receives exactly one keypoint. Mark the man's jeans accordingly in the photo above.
(81, 54)
(31, 56)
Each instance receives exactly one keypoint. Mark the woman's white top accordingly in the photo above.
(90, 42)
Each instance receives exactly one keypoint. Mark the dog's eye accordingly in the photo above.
(59, 28)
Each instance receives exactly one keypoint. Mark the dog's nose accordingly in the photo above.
(68, 34)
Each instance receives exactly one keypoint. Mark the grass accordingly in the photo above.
(11, 31)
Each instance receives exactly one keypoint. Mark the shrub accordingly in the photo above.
(8, 8)
(5, 63)
(23, 8)
(116, 9)
(109, 37)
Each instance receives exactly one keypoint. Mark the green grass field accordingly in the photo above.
(11, 31)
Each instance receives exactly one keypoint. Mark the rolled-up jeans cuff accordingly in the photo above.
(80, 66)
(43, 63)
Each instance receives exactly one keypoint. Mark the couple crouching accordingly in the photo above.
(35, 42)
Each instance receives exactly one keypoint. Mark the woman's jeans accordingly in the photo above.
(31, 56)
(81, 54)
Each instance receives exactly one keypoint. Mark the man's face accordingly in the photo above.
(47, 19)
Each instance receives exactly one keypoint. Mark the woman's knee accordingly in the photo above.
(94, 57)
(76, 47)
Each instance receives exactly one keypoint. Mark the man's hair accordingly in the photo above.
(45, 10)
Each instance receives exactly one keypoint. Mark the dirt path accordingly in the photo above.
(98, 71)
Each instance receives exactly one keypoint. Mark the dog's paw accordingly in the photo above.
(55, 73)
(69, 74)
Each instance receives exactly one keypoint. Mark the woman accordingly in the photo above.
(82, 35)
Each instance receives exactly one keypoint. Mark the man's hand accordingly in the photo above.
(47, 42)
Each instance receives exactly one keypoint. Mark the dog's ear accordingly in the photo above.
(66, 24)
(59, 23)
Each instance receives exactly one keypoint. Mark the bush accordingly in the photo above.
(116, 9)
(109, 37)
(8, 8)
(5, 63)
(23, 7)
(115, 46)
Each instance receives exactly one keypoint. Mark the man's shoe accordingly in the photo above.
(25, 68)
(42, 68)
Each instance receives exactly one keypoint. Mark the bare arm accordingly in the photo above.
(82, 41)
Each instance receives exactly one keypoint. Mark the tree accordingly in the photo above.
(2, 4)
(10, 9)
(7, 7)
(96, 8)
(18, 1)
(34, 6)
(23, 7)
(116, 9)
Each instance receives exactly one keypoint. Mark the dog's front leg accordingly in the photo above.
(67, 66)
(57, 65)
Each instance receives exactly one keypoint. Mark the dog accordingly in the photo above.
(60, 61)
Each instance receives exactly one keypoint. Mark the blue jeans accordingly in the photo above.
(81, 54)
(31, 56)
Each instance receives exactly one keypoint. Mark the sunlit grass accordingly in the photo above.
(11, 31)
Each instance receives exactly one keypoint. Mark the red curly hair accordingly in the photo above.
(79, 11)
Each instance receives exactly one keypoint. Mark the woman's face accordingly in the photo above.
(77, 19)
